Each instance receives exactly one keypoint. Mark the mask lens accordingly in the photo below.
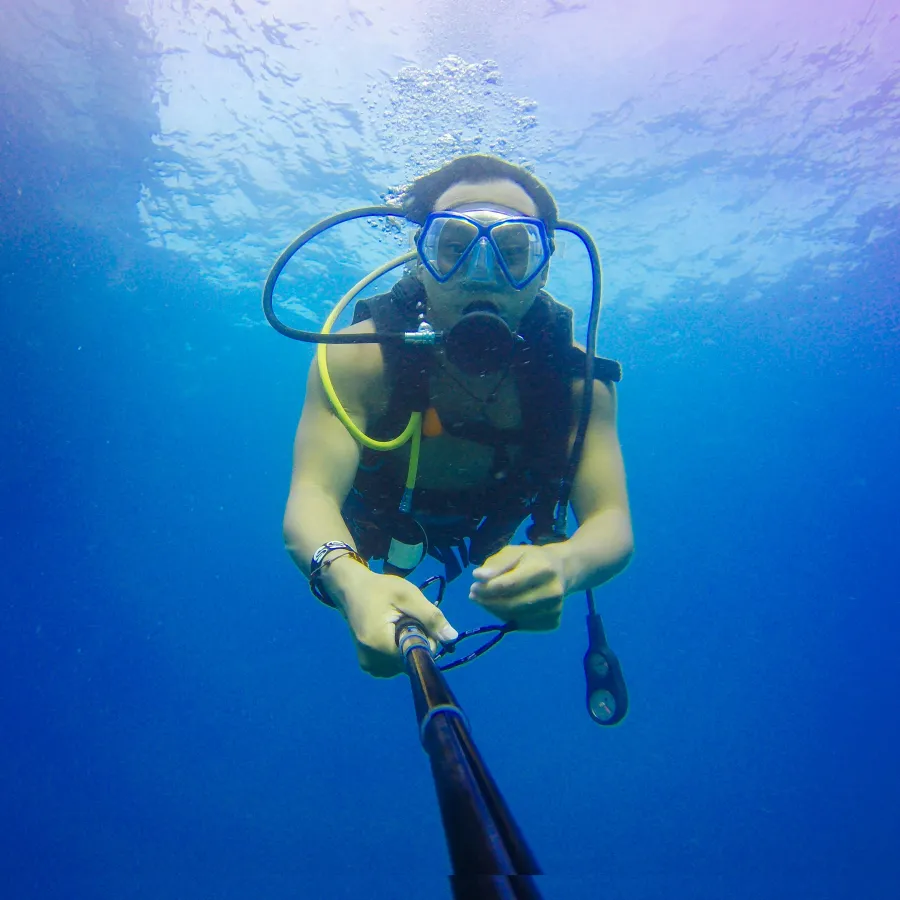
(520, 247)
(446, 242)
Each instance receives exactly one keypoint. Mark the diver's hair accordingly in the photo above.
(419, 198)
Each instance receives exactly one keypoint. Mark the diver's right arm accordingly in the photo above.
(326, 459)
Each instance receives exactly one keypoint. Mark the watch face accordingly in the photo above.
(603, 705)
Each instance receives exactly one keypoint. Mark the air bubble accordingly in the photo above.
(456, 107)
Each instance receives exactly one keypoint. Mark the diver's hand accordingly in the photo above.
(372, 609)
(522, 584)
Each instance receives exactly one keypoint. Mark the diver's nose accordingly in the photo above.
(482, 266)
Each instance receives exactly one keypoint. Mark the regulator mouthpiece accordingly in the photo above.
(480, 343)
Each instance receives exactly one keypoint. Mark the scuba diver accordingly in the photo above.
(452, 409)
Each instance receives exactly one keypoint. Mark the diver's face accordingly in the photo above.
(450, 300)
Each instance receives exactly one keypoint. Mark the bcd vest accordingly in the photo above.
(544, 365)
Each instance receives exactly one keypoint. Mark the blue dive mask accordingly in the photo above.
(513, 249)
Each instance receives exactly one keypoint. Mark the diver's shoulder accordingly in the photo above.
(364, 361)
(604, 395)
(355, 371)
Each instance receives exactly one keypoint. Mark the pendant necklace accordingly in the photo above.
(484, 401)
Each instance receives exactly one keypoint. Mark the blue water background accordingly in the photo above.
(181, 719)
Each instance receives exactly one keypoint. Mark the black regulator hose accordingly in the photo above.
(568, 480)
(316, 337)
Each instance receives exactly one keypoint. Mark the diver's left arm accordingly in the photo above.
(527, 584)
(602, 545)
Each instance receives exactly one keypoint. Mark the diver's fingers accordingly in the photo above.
(502, 561)
(378, 664)
(532, 611)
(522, 578)
(431, 617)
(379, 655)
